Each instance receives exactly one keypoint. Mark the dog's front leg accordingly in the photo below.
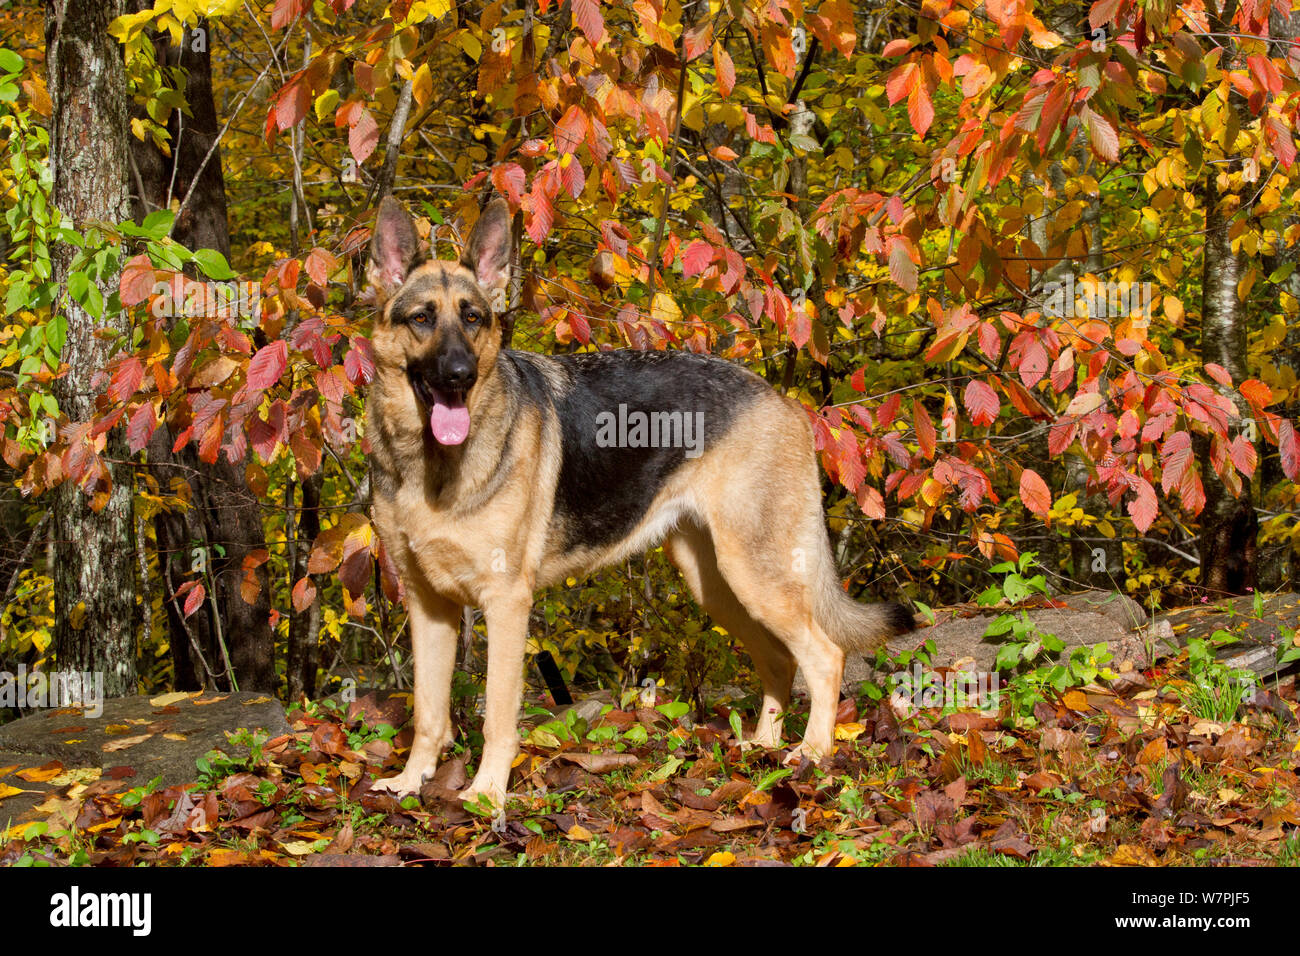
(434, 629)
(506, 615)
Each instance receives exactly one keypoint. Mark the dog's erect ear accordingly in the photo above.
(394, 250)
(489, 247)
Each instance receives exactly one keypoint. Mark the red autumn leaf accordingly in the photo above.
(268, 365)
(1218, 373)
(571, 130)
(320, 262)
(1256, 392)
(359, 363)
(194, 599)
(1102, 137)
(982, 402)
(871, 502)
(1143, 508)
(1103, 11)
(588, 19)
(925, 433)
(1034, 493)
(902, 268)
(291, 104)
(834, 26)
(304, 594)
(696, 257)
(1244, 456)
(920, 111)
(541, 215)
(1286, 446)
(126, 379)
(1175, 459)
(575, 178)
(363, 136)
(901, 80)
(286, 12)
(137, 282)
(140, 427)
(508, 178)
(725, 69)
(696, 40)
(1280, 140)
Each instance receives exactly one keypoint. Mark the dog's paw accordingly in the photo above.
(408, 781)
(477, 791)
(806, 751)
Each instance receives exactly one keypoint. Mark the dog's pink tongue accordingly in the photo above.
(449, 420)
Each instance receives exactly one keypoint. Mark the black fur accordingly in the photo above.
(603, 492)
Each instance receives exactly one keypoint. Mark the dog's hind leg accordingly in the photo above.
(434, 630)
(691, 550)
(773, 587)
(506, 615)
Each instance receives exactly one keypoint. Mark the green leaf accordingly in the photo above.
(10, 61)
(213, 264)
(158, 223)
(674, 709)
(772, 778)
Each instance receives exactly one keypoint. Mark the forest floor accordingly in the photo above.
(1138, 774)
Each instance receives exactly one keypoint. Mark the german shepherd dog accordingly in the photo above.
(496, 472)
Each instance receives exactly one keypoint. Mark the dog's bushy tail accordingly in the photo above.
(860, 628)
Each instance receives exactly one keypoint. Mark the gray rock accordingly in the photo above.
(132, 738)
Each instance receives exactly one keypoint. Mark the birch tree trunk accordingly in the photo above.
(94, 586)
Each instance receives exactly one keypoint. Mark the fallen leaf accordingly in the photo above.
(42, 773)
(166, 700)
(850, 731)
(1129, 854)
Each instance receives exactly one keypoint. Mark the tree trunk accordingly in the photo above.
(94, 586)
(304, 628)
(224, 515)
(1229, 525)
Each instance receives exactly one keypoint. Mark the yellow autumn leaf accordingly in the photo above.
(721, 858)
(125, 742)
(78, 775)
(422, 85)
(578, 833)
(41, 774)
(849, 731)
(665, 309)
(303, 847)
(8, 791)
(1076, 700)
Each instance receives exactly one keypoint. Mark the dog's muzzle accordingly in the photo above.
(442, 384)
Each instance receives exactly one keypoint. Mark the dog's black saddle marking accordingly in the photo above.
(605, 489)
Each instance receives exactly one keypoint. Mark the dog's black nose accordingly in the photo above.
(459, 374)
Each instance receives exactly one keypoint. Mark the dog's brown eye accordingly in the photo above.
(472, 317)
(420, 318)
